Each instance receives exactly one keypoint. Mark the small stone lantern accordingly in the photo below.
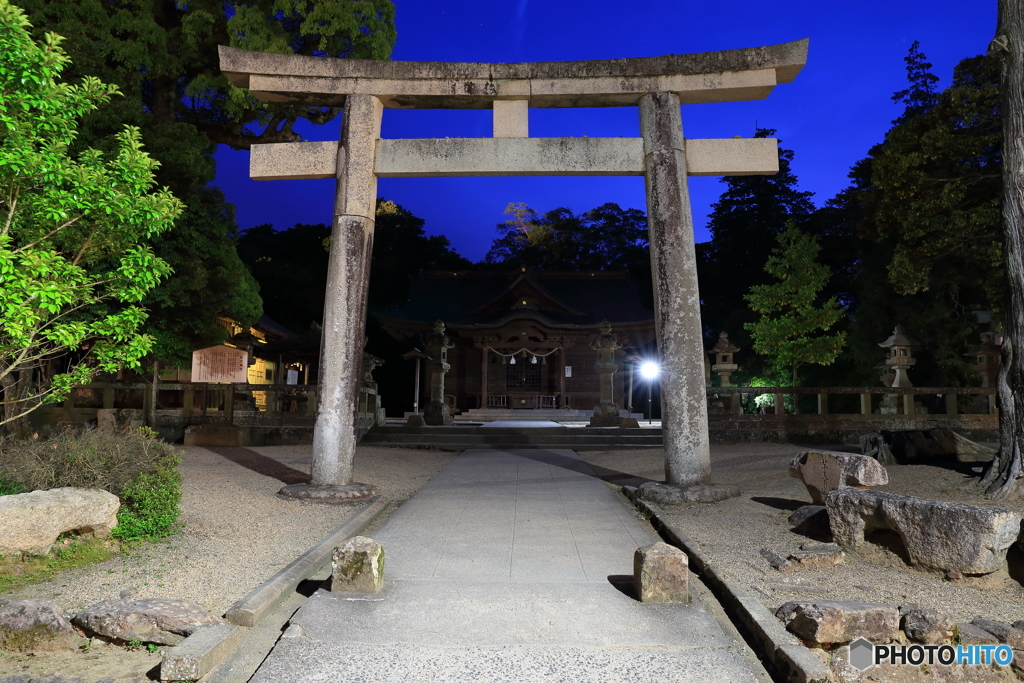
(988, 358)
(723, 352)
(900, 358)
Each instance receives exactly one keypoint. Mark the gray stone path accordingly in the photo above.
(501, 568)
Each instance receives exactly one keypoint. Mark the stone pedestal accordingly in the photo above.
(684, 411)
(436, 412)
(606, 412)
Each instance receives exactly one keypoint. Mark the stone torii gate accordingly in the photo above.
(657, 85)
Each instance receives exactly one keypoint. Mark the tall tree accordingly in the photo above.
(74, 262)
(163, 57)
(291, 265)
(605, 238)
(792, 321)
(1005, 478)
(915, 236)
(744, 224)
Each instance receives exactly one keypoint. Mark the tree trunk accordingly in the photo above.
(1005, 478)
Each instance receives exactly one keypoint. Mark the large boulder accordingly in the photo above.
(952, 537)
(825, 471)
(32, 625)
(31, 522)
(164, 622)
(825, 622)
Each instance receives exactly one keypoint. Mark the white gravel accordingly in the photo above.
(733, 532)
(235, 532)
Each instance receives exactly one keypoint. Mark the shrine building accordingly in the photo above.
(522, 338)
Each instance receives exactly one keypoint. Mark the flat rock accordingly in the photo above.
(31, 625)
(358, 566)
(975, 635)
(667, 494)
(811, 520)
(827, 622)
(1003, 632)
(817, 558)
(826, 471)
(951, 537)
(775, 559)
(164, 622)
(928, 626)
(31, 522)
(661, 573)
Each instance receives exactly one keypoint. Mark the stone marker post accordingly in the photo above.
(606, 412)
(348, 274)
(438, 344)
(684, 411)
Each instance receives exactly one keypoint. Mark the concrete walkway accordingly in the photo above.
(504, 567)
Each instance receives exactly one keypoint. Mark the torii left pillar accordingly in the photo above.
(348, 276)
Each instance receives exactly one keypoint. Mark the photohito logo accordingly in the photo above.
(864, 654)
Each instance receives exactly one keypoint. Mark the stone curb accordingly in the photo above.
(264, 598)
(197, 655)
(791, 659)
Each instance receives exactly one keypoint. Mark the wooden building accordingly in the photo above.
(522, 337)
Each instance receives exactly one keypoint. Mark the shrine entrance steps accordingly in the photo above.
(459, 438)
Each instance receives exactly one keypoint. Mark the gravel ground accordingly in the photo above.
(236, 533)
(733, 532)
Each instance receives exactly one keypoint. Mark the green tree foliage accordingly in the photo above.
(291, 265)
(791, 324)
(401, 249)
(163, 57)
(744, 224)
(915, 238)
(606, 238)
(74, 263)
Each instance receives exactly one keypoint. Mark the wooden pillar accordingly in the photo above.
(348, 272)
(865, 404)
(561, 378)
(951, 404)
(780, 404)
(908, 404)
(822, 404)
(188, 401)
(483, 376)
(684, 408)
(416, 390)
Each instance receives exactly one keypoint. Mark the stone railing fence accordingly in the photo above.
(870, 397)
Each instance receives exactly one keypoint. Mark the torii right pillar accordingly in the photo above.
(684, 408)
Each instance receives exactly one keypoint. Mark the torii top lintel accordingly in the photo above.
(725, 76)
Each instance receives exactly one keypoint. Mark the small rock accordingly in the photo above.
(415, 420)
(820, 547)
(661, 573)
(358, 566)
(928, 626)
(1003, 632)
(811, 520)
(827, 622)
(818, 558)
(164, 622)
(774, 559)
(30, 625)
(974, 635)
(1019, 624)
(825, 471)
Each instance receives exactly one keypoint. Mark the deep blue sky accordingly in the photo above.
(837, 107)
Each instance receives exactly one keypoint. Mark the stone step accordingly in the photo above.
(459, 438)
(459, 446)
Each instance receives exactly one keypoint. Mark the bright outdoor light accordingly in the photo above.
(649, 370)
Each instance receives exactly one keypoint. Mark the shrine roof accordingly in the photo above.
(483, 299)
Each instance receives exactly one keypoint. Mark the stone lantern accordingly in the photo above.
(606, 412)
(723, 352)
(900, 358)
(988, 357)
(438, 343)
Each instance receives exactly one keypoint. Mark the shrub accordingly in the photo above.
(136, 467)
